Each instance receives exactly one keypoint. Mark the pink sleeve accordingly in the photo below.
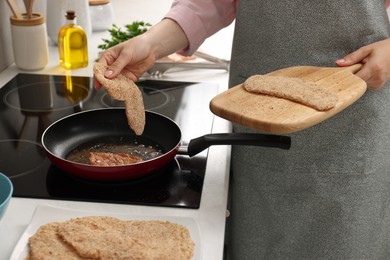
(201, 18)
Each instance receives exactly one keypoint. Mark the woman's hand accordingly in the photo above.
(135, 56)
(131, 58)
(375, 58)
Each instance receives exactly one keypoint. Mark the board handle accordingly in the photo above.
(353, 68)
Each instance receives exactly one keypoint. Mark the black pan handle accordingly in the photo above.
(199, 144)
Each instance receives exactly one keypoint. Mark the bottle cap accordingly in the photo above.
(70, 15)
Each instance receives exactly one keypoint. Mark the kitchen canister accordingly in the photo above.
(29, 42)
(102, 14)
(56, 11)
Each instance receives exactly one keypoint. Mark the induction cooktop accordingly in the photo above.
(31, 102)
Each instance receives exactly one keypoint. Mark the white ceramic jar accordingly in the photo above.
(29, 42)
(56, 11)
(102, 14)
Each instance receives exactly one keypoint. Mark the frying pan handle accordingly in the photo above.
(199, 144)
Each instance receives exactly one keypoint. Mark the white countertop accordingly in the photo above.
(211, 215)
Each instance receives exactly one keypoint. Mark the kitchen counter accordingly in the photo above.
(211, 215)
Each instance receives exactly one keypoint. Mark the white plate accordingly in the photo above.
(45, 214)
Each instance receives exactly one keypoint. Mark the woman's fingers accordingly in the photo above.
(376, 63)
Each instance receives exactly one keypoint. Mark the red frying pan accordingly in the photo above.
(73, 131)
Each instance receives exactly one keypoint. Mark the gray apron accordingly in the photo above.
(328, 197)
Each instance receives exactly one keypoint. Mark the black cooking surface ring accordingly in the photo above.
(150, 189)
(39, 97)
(155, 101)
(20, 157)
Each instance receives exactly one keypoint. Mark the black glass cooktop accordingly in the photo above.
(31, 102)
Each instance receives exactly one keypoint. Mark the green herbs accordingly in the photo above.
(118, 35)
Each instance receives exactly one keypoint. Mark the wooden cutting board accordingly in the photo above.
(281, 116)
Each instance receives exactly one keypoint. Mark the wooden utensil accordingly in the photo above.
(29, 7)
(281, 116)
(15, 9)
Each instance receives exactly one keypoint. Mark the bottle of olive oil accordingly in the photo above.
(72, 44)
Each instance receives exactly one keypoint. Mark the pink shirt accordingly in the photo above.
(201, 18)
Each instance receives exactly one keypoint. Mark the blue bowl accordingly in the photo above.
(6, 190)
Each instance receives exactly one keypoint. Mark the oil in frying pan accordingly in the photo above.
(145, 149)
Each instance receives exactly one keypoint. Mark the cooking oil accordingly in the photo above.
(72, 44)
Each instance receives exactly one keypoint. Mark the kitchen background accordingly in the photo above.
(6, 55)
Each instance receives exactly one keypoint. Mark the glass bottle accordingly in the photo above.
(72, 44)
